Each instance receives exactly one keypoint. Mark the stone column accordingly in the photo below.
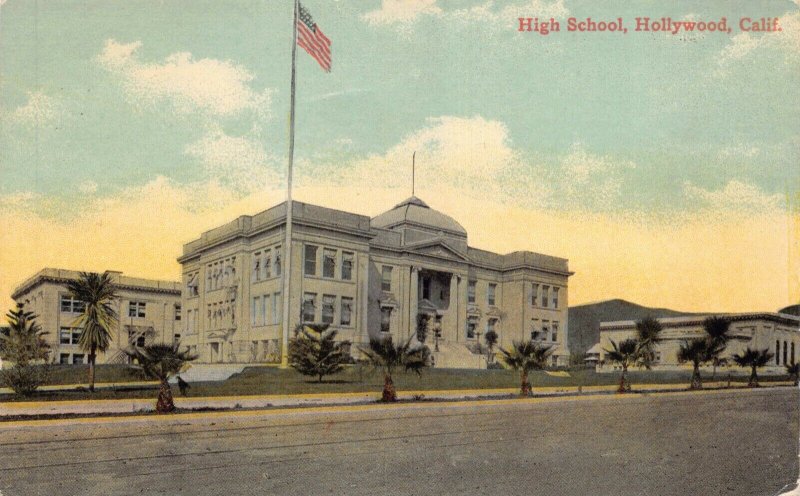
(453, 309)
(413, 292)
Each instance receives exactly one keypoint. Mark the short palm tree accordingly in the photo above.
(648, 334)
(753, 359)
(696, 351)
(96, 292)
(626, 353)
(161, 361)
(794, 372)
(526, 356)
(717, 331)
(385, 355)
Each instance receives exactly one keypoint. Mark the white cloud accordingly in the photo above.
(88, 187)
(588, 181)
(737, 196)
(39, 110)
(739, 151)
(745, 43)
(215, 87)
(401, 11)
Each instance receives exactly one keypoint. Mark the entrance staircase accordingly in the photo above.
(456, 356)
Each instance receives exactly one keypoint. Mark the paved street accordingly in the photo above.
(713, 443)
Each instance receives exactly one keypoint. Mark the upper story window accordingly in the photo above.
(534, 294)
(555, 331)
(346, 312)
(347, 265)
(491, 294)
(177, 313)
(266, 265)
(386, 278)
(136, 308)
(71, 305)
(192, 285)
(256, 276)
(545, 296)
(328, 262)
(310, 266)
(555, 297)
(309, 307)
(545, 329)
(277, 263)
(471, 291)
(69, 335)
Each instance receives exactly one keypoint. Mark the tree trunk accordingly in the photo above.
(389, 392)
(525, 389)
(92, 358)
(624, 385)
(697, 381)
(753, 382)
(165, 403)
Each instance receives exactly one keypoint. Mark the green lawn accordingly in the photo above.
(270, 380)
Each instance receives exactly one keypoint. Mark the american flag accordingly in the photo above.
(310, 37)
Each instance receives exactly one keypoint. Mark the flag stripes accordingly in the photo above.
(312, 40)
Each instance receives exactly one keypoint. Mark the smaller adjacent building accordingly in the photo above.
(778, 332)
(149, 311)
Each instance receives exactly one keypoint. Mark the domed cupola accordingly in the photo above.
(419, 222)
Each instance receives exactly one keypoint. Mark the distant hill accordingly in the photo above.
(584, 320)
(791, 310)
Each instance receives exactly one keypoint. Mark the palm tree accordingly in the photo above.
(648, 334)
(695, 351)
(794, 372)
(385, 355)
(625, 353)
(161, 361)
(98, 319)
(526, 356)
(753, 359)
(717, 331)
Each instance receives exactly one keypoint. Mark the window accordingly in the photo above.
(555, 297)
(177, 313)
(347, 266)
(263, 310)
(176, 338)
(471, 291)
(209, 279)
(386, 278)
(472, 326)
(426, 288)
(328, 303)
(555, 331)
(311, 260)
(490, 325)
(63, 359)
(490, 294)
(309, 307)
(256, 266)
(346, 313)
(277, 263)
(386, 319)
(65, 336)
(777, 352)
(266, 265)
(545, 329)
(545, 296)
(71, 305)
(328, 263)
(191, 285)
(534, 294)
(136, 309)
(77, 359)
(254, 310)
(277, 309)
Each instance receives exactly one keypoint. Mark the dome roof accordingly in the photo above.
(415, 211)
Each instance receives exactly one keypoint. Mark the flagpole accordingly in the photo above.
(288, 260)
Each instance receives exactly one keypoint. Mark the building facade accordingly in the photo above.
(149, 311)
(780, 333)
(366, 278)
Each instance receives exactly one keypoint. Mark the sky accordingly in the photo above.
(666, 168)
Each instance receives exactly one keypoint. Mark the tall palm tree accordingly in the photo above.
(97, 292)
(753, 359)
(385, 355)
(648, 335)
(161, 361)
(717, 331)
(526, 356)
(626, 353)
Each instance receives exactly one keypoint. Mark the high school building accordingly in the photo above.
(366, 277)
(777, 332)
(149, 312)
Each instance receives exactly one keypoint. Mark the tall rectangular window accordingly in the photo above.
(386, 278)
(136, 309)
(555, 297)
(545, 329)
(254, 310)
(471, 291)
(534, 294)
(277, 264)
(328, 263)
(256, 266)
(555, 332)
(545, 296)
(386, 319)
(347, 266)
(277, 308)
(346, 312)
(177, 313)
(328, 303)
(310, 265)
(491, 294)
(263, 310)
(309, 307)
(266, 266)
(472, 326)
(491, 324)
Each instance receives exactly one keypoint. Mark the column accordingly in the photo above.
(453, 310)
(414, 298)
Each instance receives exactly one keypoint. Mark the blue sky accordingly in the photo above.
(102, 101)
